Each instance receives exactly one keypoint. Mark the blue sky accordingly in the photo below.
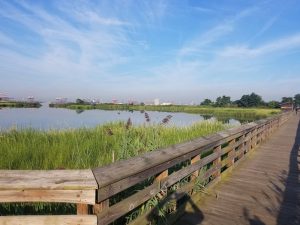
(175, 50)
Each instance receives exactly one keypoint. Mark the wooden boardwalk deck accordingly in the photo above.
(263, 190)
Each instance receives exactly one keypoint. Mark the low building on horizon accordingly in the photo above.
(287, 106)
(4, 97)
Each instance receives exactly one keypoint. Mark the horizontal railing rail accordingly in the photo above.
(107, 194)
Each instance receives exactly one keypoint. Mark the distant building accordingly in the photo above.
(156, 101)
(3, 97)
(166, 103)
(30, 99)
(61, 100)
(286, 106)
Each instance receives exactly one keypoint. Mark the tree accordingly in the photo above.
(223, 101)
(206, 102)
(251, 100)
(297, 99)
(287, 100)
(273, 104)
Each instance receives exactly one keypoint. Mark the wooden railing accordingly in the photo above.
(105, 194)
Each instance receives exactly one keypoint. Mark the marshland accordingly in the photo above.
(76, 137)
(50, 138)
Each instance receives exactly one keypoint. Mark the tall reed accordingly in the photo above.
(90, 147)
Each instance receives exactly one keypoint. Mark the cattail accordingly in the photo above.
(128, 124)
(147, 117)
(109, 132)
(166, 119)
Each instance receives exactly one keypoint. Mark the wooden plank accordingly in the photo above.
(217, 161)
(115, 172)
(47, 179)
(143, 167)
(180, 174)
(82, 209)
(110, 190)
(67, 196)
(99, 207)
(114, 212)
(140, 165)
(196, 173)
(259, 189)
(49, 220)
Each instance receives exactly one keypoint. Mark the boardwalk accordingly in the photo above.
(263, 190)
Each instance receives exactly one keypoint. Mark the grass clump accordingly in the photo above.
(91, 147)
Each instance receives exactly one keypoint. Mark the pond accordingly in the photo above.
(57, 118)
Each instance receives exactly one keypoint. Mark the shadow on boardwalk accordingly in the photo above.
(194, 215)
(277, 201)
(289, 213)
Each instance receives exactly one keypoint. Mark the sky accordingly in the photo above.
(177, 50)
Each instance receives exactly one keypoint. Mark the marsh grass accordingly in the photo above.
(85, 148)
(222, 113)
(91, 147)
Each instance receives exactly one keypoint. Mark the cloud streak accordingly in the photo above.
(155, 48)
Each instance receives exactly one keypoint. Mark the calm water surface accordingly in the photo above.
(55, 118)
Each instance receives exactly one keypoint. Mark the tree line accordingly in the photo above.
(250, 100)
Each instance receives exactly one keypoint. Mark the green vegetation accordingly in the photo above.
(297, 99)
(243, 114)
(249, 107)
(86, 148)
(90, 147)
(19, 104)
(251, 100)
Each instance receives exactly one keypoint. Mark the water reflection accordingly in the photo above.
(78, 111)
(55, 118)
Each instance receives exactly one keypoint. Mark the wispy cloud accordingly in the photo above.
(67, 46)
(282, 45)
(157, 47)
(265, 27)
(215, 33)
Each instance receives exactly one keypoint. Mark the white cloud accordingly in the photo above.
(198, 44)
(283, 44)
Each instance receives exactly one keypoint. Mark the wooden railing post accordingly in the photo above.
(217, 162)
(231, 153)
(196, 173)
(99, 207)
(82, 209)
(159, 178)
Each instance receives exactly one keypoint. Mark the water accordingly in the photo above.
(55, 118)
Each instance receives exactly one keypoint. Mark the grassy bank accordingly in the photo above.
(90, 147)
(85, 148)
(219, 112)
(19, 104)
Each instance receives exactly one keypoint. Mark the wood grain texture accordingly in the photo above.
(117, 171)
(262, 190)
(47, 180)
(110, 214)
(116, 177)
(49, 220)
(82, 209)
(66, 196)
